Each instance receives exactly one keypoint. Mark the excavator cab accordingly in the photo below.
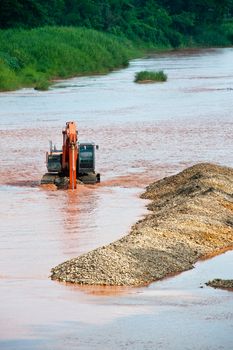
(86, 157)
(86, 163)
(53, 161)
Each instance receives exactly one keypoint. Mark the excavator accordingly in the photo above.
(75, 162)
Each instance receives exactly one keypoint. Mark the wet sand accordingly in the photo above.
(144, 132)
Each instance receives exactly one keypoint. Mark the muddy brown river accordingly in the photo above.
(144, 132)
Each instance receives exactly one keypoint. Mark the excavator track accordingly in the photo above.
(49, 179)
(90, 178)
(62, 182)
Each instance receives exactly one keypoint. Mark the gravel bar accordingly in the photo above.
(190, 217)
(222, 284)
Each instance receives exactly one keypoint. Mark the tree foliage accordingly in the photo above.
(161, 22)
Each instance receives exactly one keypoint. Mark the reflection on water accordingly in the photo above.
(144, 132)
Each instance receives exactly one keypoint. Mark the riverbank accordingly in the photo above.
(36, 57)
(190, 218)
(33, 58)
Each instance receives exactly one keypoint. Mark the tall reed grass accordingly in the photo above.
(33, 57)
(150, 76)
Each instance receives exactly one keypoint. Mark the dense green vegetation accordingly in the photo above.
(150, 76)
(32, 57)
(38, 40)
(157, 22)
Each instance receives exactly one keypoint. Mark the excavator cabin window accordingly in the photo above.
(86, 157)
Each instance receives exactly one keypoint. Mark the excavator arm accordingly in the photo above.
(70, 153)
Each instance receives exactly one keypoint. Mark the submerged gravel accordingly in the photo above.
(191, 216)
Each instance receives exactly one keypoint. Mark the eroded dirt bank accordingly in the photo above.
(191, 217)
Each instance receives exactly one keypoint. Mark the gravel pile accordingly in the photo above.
(191, 216)
(222, 284)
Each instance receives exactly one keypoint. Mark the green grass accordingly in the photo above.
(42, 85)
(34, 57)
(150, 76)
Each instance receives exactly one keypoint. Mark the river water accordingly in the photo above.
(144, 132)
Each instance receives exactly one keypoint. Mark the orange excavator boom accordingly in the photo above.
(70, 152)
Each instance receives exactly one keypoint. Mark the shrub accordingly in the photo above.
(42, 85)
(8, 78)
(150, 76)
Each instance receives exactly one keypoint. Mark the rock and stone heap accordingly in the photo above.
(221, 284)
(191, 217)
